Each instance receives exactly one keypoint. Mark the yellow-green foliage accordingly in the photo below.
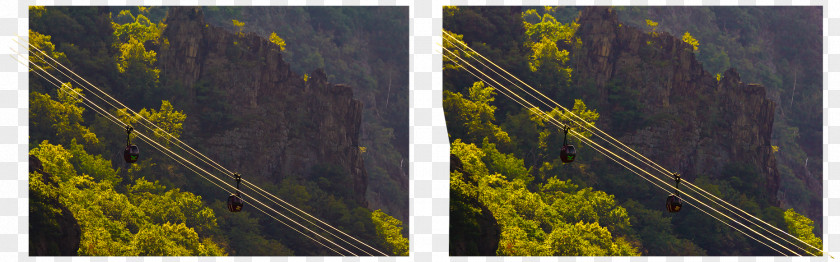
(239, 26)
(146, 220)
(543, 35)
(277, 41)
(389, 229)
(61, 118)
(803, 228)
(141, 28)
(690, 40)
(167, 119)
(653, 26)
(43, 42)
(557, 219)
(474, 114)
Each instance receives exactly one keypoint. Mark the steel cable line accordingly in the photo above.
(211, 162)
(546, 117)
(457, 43)
(644, 159)
(584, 138)
(156, 145)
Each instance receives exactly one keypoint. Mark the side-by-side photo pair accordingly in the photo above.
(286, 131)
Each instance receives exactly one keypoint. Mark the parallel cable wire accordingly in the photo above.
(580, 136)
(203, 157)
(547, 117)
(140, 135)
(170, 154)
(457, 43)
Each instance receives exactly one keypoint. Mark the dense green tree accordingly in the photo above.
(137, 66)
(44, 47)
(61, 118)
(140, 28)
(471, 118)
(167, 122)
(803, 228)
(389, 229)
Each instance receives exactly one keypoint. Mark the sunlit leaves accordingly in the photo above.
(139, 222)
(166, 120)
(543, 39)
(389, 229)
(93, 165)
(239, 26)
(652, 26)
(277, 41)
(473, 116)
(453, 49)
(111, 221)
(140, 28)
(44, 44)
(691, 41)
(803, 228)
(60, 118)
(172, 239)
(55, 159)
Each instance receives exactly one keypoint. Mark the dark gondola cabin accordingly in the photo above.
(674, 204)
(235, 203)
(567, 153)
(131, 153)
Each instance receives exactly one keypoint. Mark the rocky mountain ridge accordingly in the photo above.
(290, 123)
(700, 125)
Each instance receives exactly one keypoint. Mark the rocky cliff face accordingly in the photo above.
(697, 124)
(289, 124)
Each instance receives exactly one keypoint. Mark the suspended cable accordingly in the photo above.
(169, 153)
(203, 157)
(457, 43)
(574, 132)
(548, 118)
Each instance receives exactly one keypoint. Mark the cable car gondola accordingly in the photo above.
(131, 152)
(674, 203)
(567, 153)
(235, 202)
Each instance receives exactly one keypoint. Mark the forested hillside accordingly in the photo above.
(651, 89)
(143, 57)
